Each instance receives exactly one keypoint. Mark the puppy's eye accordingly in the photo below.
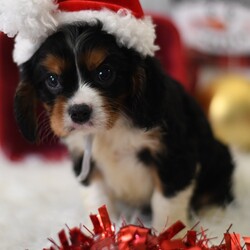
(53, 83)
(105, 75)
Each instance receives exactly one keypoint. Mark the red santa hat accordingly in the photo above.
(32, 21)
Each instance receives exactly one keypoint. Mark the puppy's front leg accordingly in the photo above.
(168, 210)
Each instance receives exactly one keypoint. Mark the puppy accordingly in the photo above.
(151, 144)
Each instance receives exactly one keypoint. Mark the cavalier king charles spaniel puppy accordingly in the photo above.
(151, 145)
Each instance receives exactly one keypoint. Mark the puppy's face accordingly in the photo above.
(84, 80)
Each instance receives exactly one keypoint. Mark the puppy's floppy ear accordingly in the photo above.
(139, 104)
(25, 103)
(139, 78)
(149, 90)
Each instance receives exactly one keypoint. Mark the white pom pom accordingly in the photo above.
(29, 18)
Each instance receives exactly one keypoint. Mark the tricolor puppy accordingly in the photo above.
(151, 145)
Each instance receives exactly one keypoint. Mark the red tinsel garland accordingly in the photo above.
(132, 237)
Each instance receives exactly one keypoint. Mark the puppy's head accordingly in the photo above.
(84, 80)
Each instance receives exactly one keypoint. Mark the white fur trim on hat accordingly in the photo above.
(32, 21)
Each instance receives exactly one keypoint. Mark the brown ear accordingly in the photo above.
(25, 111)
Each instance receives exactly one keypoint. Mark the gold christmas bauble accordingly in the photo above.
(229, 110)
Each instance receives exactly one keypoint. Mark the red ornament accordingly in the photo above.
(132, 237)
(247, 242)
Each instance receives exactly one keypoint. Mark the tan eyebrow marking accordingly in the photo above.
(93, 58)
(54, 64)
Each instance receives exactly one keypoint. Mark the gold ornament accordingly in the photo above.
(229, 110)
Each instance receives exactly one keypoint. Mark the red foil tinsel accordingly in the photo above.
(132, 237)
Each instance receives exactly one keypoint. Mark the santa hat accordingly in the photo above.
(32, 21)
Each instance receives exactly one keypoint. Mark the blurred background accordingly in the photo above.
(205, 44)
(215, 35)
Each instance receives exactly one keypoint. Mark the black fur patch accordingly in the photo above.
(146, 157)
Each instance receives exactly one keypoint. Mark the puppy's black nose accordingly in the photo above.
(80, 113)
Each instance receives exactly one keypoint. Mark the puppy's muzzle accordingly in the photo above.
(80, 113)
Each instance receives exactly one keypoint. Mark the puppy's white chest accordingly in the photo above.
(115, 153)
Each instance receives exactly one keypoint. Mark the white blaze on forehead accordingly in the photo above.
(86, 95)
